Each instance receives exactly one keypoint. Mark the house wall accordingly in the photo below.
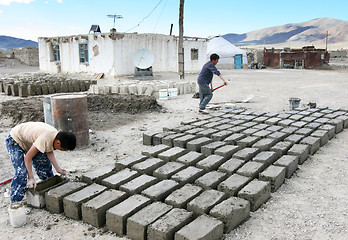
(112, 54)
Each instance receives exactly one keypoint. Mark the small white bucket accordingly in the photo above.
(294, 103)
(18, 217)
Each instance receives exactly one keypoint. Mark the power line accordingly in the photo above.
(159, 16)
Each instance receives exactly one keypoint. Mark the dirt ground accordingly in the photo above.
(310, 205)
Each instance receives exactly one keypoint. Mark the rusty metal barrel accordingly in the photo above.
(69, 114)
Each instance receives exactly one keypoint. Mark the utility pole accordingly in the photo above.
(181, 41)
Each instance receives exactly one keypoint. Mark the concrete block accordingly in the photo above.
(232, 185)
(231, 166)
(323, 135)
(54, 197)
(275, 175)
(116, 180)
(251, 169)
(138, 184)
(285, 122)
(234, 138)
(72, 203)
(221, 135)
(313, 125)
(207, 132)
(247, 141)
(345, 120)
(190, 158)
(300, 150)
(289, 130)
(330, 129)
(256, 192)
(281, 148)
(130, 161)
(238, 129)
(157, 138)
(338, 123)
(304, 131)
(211, 179)
(264, 144)
(232, 212)
(155, 150)
(226, 151)
(266, 157)
(203, 203)
(294, 138)
(202, 228)
(183, 140)
(298, 124)
(180, 197)
(246, 154)
(23, 90)
(172, 154)
(148, 166)
(196, 144)
(211, 162)
(138, 223)
(195, 130)
(96, 175)
(188, 175)
(148, 138)
(166, 226)
(290, 162)
(160, 190)
(312, 142)
(278, 136)
(168, 169)
(93, 211)
(116, 217)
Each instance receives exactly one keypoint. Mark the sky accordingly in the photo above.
(30, 19)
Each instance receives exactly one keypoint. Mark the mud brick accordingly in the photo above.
(238, 122)
(23, 90)
(234, 138)
(294, 138)
(233, 184)
(172, 154)
(44, 88)
(116, 217)
(250, 131)
(278, 136)
(238, 129)
(157, 138)
(155, 150)
(168, 169)
(180, 197)
(226, 151)
(211, 179)
(274, 128)
(98, 174)
(171, 128)
(138, 223)
(200, 123)
(275, 175)
(188, 175)
(251, 169)
(290, 162)
(345, 120)
(31, 89)
(313, 125)
(232, 212)
(196, 144)
(285, 122)
(308, 119)
(138, 184)
(289, 130)
(249, 124)
(207, 132)
(313, 142)
(313, 110)
(224, 127)
(321, 120)
(300, 150)
(340, 112)
(212, 125)
(183, 140)
(72, 203)
(271, 114)
(221, 135)
(262, 133)
(256, 192)
(261, 119)
(209, 148)
(168, 140)
(194, 130)
(190, 158)
(304, 131)
(148, 166)
(54, 197)
(246, 154)
(323, 135)
(203, 203)
(93, 211)
(160, 190)
(330, 129)
(231, 166)
(213, 229)
(298, 124)
(264, 144)
(266, 157)
(305, 112)
(166, 226)
(116, 180)
(228, 115)
(130, 161)
(281, 148)
(296, 117)
(338, 123)
(247, 141)
(211, 162)
(183, 129)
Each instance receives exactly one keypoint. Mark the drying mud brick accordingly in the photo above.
(97, 174)
(265, 157)
(148, 137)
(168, 140)
(202, 228)
(138, 223)
(275, 175)
(207, 132)
(290, 162)
(211, 179)
(219, 136)
(183, 140)
(323, 135)
(130, 161)
(331, 130)
(206, 201)
(188, 175)
(251, 169)
(246, 154)
(211, 162)
(93, 211)
(196, 144)
(294, 138)
(281, 148)
(155, 150)
(190, 158)
(226, 151)
(300, 150)
(264, 144)
(231, 166)
(180, 197)
(116, 180)
(116, 217)
(54, 197)
(234, 138)
(166, 226)
(345, 120)
(168, 169)
(233, 184)
(278, 136)
(148, 166)
(209, 148)
(313, 143)
(160, 190)
(232, 212)
(304, 131)
(138, 184)
(72, 203)
(256, 192)
(157, 139)
(172, 154)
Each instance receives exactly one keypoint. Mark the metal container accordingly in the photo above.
(69, 113)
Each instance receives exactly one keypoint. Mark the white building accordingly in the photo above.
(112, 53)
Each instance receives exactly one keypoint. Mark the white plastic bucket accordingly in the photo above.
(18, 217)
(294, 103)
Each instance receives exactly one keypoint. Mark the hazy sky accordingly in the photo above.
(30, 19)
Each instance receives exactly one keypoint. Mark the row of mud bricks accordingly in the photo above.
(25, 89)
(200, 179)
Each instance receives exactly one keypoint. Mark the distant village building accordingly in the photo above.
(112, 53)
(306, 57)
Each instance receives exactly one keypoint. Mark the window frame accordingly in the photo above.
(83, 53)
(56, 52)
(194, 54)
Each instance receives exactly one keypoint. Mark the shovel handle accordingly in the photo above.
(6, 181)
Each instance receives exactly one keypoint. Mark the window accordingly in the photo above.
(56, 53)
(194, 54)
(83, 53)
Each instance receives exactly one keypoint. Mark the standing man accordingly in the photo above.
(30, 145)
(204, 79)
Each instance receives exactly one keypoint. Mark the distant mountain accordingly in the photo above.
(310, 32)
(7, 43)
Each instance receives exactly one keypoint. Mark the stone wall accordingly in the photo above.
(27, 55)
